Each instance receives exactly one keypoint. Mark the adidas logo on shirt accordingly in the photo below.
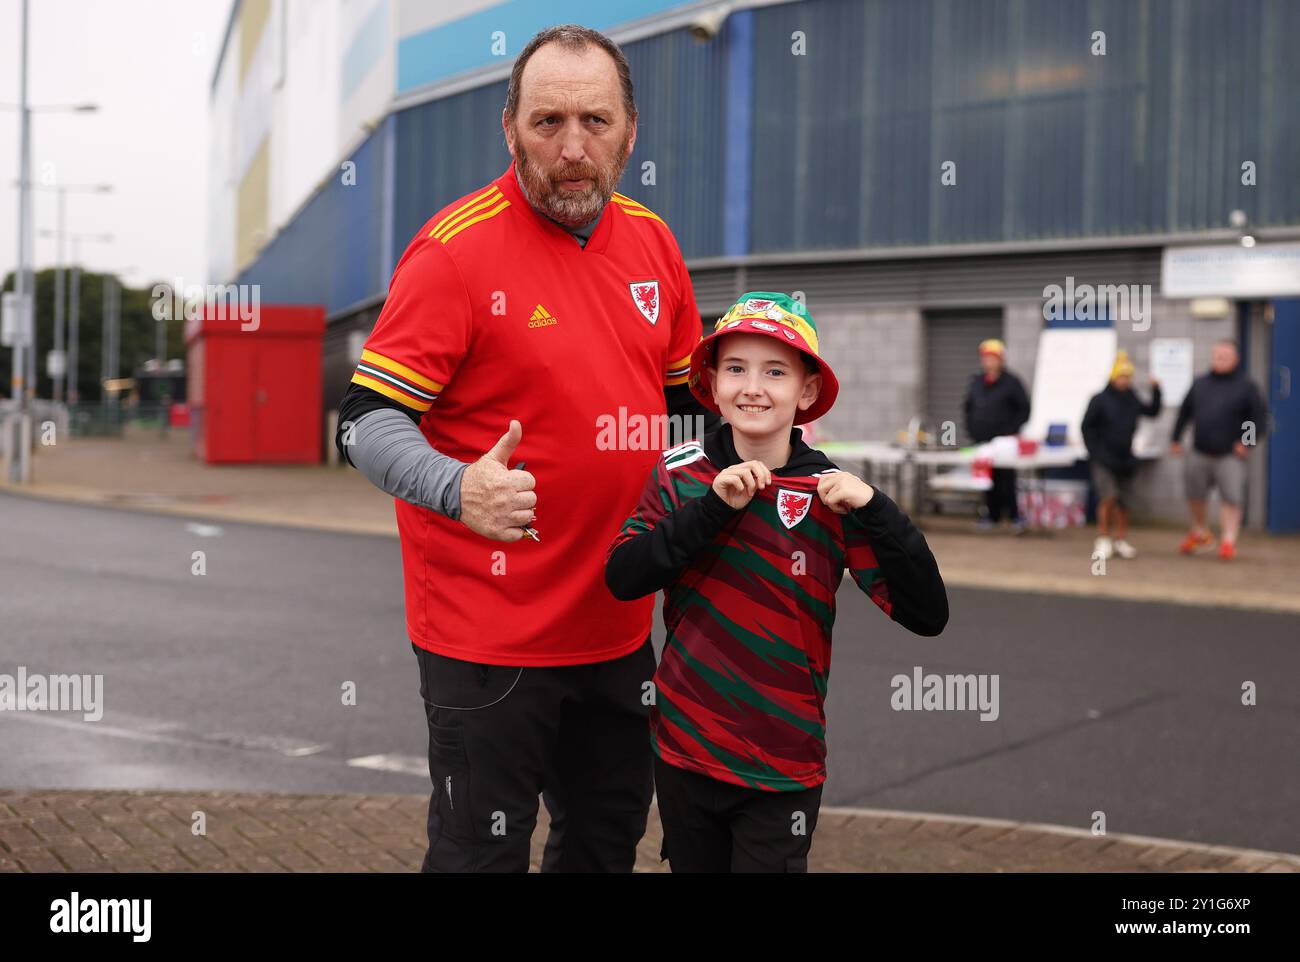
(541, 318)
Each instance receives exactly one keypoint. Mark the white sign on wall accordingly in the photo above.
(1072, 366)
(1230, 270)
(1171, 365)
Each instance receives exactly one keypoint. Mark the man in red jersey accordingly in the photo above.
(520, 319)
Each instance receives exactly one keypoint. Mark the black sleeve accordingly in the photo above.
(359, 400)
(682, 404)
(1089, 428)
(1185, 414)
(1153, 409)
(919, 601)
(967, 405)
(1022, 405)
(656, 558)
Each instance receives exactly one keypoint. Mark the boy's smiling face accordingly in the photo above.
(760, 383)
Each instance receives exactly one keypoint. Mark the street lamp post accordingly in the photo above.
(30, 347)
(111, 339)
(21, 470)
(59, 378)
(105, 327)
(24, 283)
(74, 309)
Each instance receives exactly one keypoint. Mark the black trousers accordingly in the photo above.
(499, 736)
(1001, 498)
(714, 826)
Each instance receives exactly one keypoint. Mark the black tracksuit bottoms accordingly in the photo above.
(500, 736)
(1001, 498)
(715, 826)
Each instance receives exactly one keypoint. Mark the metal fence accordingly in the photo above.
(108, 419)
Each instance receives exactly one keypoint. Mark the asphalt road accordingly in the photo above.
(234, 680)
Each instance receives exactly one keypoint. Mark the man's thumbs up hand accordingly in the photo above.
(495, 501)
(505, 447)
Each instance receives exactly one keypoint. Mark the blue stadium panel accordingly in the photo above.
(1048, 139)
(331, 252)
(449, 147)
(468, 42)
(680, 86)
(445, 148)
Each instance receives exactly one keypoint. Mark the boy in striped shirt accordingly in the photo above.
(748, 531)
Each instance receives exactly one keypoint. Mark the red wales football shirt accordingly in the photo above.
(495, 312)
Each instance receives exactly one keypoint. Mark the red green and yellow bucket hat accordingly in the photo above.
(774, 315)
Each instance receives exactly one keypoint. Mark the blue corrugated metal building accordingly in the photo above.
(919, 169)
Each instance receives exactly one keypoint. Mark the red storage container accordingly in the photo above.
(255, 395)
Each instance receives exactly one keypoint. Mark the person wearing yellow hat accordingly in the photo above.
(1108, 428)
(996, 404)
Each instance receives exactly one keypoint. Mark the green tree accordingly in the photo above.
(138, 329)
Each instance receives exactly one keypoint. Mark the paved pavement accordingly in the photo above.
(154, 831)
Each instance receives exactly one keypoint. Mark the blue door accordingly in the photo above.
(1284, 402)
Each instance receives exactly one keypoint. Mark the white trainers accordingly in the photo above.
(1124, 549)
(1103, 548)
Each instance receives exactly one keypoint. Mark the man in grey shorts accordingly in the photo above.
(1229, 417)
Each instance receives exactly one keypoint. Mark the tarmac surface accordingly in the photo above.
(223, 689)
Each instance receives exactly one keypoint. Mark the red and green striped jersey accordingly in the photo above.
(749, 604)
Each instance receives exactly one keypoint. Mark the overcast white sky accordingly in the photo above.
(148, 64)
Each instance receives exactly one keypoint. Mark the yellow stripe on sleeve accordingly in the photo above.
(389, 391)
(683, 366)
(401, 369)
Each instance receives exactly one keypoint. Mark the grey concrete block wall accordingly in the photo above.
(877, 356)
(1022, 322)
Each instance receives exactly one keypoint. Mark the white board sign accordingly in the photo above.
(1230, 270)
(15, 323)
(1171, 365)
(1072, 366)
(56, 363)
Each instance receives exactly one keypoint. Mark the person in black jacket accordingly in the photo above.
(1230, 417)
(1108, 428)
(996, 404)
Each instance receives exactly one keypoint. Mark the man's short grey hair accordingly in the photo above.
(571, 36)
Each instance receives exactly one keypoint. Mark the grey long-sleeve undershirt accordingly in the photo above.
(391, 450)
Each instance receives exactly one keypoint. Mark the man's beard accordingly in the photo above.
(572, 208)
